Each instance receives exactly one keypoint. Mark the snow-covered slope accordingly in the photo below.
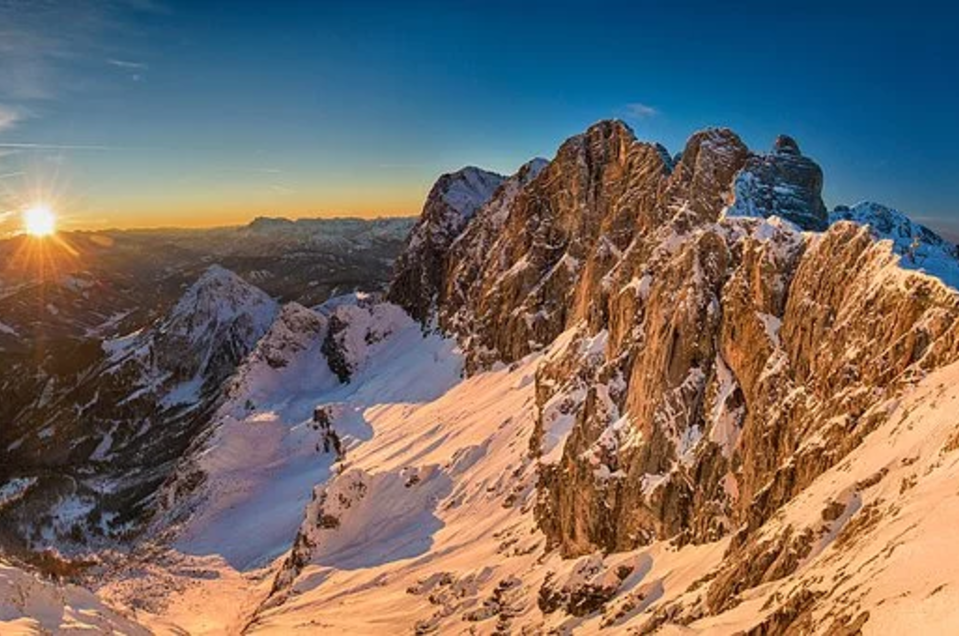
(30, 606)
(429, 527)
(919, 247)
(267, 450)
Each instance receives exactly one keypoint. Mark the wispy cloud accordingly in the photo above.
(638, 110)
(8, 117)
(128, 65)
(41, 39)
(33, 146)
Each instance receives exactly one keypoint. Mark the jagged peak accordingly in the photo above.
(781, 183)
(716, 138)
(466, 189)
(786, 145)
(219, 295)
(606, 133)
(610, 127)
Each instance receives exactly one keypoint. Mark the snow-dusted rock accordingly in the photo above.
(421, 269)
(919, 247)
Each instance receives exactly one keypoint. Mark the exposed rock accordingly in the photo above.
(419, 279)
(710, 346)
(784, 184)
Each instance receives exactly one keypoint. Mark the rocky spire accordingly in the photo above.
(782, 183)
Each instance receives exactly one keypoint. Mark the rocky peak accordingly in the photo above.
(452, 202)
(786, 145)
(702, 179)
(212, 327)
(690, 354)
(782, 183)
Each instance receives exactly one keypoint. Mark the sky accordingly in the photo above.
(145, 113)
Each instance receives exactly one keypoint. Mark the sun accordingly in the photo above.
(39, 221)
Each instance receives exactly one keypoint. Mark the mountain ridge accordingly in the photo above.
(618, 390)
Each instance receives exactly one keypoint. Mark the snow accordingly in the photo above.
(470, 189)
(262, 464)
(430, 515)
(7, 329)
(771, 325)
(218, 298)
(14, 489)
(918, 247)
(725, 421)
(31, 606)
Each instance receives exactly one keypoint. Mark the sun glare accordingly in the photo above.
(39, 221)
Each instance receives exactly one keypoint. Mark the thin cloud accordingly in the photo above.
(36, 58)
(638, 110)
(32, 146)
(8, 117)
(128, 65)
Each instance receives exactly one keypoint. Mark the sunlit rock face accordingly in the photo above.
(712, 345)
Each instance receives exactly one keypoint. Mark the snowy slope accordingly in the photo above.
(429, 526)
(266, 453)
(919, 247)
(239, 499)
(32, 606)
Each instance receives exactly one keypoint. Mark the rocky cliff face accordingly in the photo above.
(420, 269)
(711, 344)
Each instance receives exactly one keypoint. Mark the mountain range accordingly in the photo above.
(620, 390)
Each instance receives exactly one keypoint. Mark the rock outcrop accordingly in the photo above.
(711, 344)
(452, 202)
(782, 183)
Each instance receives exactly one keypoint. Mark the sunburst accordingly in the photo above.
(39, 221)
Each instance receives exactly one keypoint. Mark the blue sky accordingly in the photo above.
(158, 112)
